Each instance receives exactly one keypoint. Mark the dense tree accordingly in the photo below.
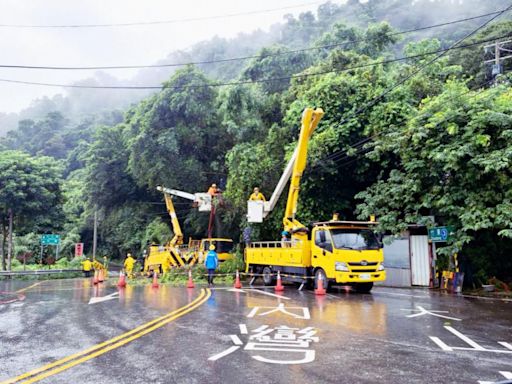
(455, 158)
(432, 146)
(175, 136)
(31, 197)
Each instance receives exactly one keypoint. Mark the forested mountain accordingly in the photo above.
(440, 144)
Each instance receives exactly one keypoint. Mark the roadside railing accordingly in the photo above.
(38, 272)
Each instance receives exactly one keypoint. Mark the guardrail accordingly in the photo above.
(38, 272)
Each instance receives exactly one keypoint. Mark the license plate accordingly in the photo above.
(364, 276)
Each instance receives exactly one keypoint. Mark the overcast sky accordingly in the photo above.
(115, 45)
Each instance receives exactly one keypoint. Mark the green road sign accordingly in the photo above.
(440, 234)
(50, 239)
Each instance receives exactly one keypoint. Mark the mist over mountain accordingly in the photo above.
(292, 33)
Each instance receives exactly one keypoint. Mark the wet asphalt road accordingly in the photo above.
(230, 337)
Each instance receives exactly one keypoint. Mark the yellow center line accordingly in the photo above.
(116, 342)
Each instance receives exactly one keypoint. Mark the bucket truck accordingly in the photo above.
(338, 252)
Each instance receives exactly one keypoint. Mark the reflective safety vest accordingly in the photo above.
(257, 196)
(128, 263)
(86, 265)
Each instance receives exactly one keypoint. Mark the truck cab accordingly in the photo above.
(347, 252)
(223, 247)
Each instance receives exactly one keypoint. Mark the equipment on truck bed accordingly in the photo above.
(343, 252)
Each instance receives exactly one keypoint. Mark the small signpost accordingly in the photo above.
(50, 239)
(79, 249)
(440, 234)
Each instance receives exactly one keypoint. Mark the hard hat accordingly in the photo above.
(214, 185)
(212, 247)
(285, 233)
(128, 254)
(256, 189)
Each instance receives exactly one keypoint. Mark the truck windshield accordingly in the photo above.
(352, 238)
(220, 246)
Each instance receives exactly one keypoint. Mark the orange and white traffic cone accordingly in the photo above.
(101, 276)
(95, 279)
(279, 286)
(155, 280)
(190, 283)
(320, 290)
(122, 280)
(238, 284)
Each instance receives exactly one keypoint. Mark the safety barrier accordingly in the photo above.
(233, 274)
(38, 272)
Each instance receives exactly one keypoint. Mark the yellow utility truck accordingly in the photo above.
(338, 252)
(162, 258)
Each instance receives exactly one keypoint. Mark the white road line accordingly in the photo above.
(474, 344)
(506, 345)
(236, 340)
(440, 343)
(507, 375)
(253, 312)
(95, 300)
(224, 353)
(243, 329)
(245, 290)
(400, 294)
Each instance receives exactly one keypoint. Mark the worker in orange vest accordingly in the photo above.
(212, 191)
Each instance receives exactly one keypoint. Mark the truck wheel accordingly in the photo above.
(325, 282)
(363, 287)
(268, 279)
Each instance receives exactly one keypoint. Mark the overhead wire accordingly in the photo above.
(240, 58)
(441, 51)
(421, 68)
(360, 148)
(160, 22)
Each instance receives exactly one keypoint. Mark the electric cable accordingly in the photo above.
(441, 53)
(159, 22)
(241, 58)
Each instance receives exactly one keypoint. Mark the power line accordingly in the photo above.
(339, 156)
(159, 22)
(442, 52)
(241, 58)
(421, 68)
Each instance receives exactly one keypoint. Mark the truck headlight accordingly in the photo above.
(341, 266)
(381, 267)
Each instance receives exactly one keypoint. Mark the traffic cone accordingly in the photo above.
(101, 276)
(155, 280)
(320, 290)
(122, 280)
(95, 278)
(279, 286)
(190, 283)
(238, 284)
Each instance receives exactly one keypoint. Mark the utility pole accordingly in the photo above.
(9, 244)
(502, 50)
(95, 235)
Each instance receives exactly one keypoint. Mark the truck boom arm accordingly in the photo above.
(178, 234)
(310, 120)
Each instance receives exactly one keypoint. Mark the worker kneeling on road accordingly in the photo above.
(128, 265)
(211, 262)
(86, 267)
(256, 195)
